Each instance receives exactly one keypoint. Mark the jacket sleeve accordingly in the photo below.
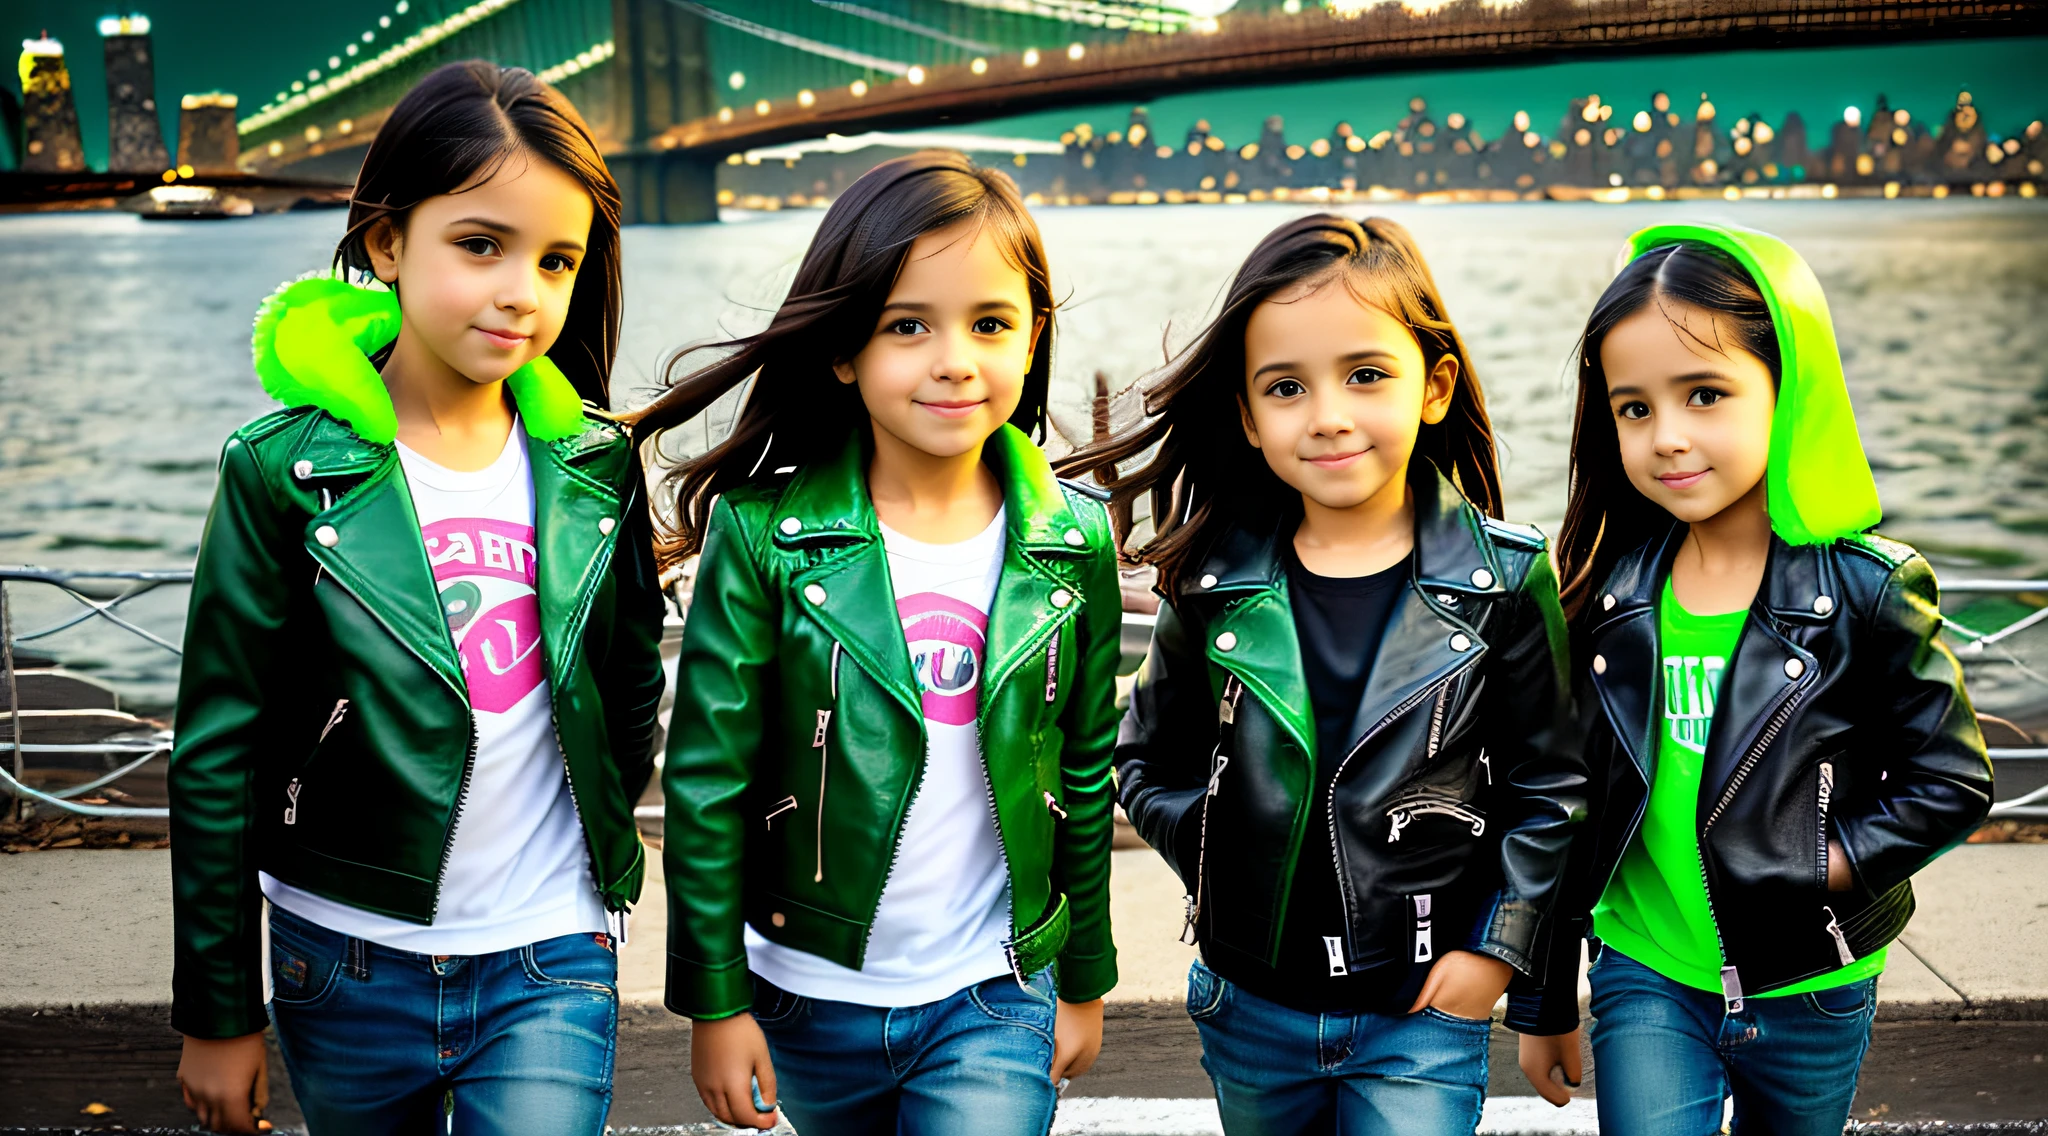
(1163, 746)
(1937, 786)
(1086, 968)
(233, 637)
(630, 678)
(1541, 794)
(715, 729)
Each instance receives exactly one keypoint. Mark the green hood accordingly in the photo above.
(312, 347)
(1819, 484)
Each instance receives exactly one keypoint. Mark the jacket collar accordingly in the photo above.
(1452, 568)
(312, 346)
(1799, 585)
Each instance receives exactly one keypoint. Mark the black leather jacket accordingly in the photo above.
(1841, 714)
(1462, 780)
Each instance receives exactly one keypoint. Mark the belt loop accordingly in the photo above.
(358, 959)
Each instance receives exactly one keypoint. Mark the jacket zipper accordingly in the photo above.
(1842, 950)
(824, 758)
(1441, 689)
(1226, 715)
(455, 819)
(1820, 835)
(1731, 977)
(291, 796)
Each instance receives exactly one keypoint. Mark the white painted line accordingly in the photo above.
(1169, 1116)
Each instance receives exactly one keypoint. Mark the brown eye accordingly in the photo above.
(1287, 388)
(480, 246)
(1365, 375)
(1634, 411)
(990, 325)
(556, 262)
(906, 327)
(1705, 396)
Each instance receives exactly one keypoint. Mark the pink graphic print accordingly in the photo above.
(946, 639)
(476, 561)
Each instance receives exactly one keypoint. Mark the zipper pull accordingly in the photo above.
(334, 718)
(1187, 928)
(1052, 670)
(1333, 946)
(1842, 950)
(1016, 967)
(786, 804)
(1216, 769)
(615, 922)
(1401, 818)
(1424, 948)
(1226, 708)
(291, 795)
(818, 737)
(1053, 806)
(1486, 761)
(1731, 989)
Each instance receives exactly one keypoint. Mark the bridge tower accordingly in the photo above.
(207, 140)
(135, 135)
(49, 118)
(661, 78)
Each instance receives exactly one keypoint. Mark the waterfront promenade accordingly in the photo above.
(1962, 1033)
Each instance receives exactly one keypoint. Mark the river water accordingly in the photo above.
(124, 357)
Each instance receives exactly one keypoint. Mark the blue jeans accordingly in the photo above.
(975, 1063)
(380, 1041)
(1282, 1070)
(1667, 1055)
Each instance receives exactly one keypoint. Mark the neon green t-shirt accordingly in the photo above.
(1655, 908)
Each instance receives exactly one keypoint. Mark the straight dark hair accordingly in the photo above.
(1205, 477)
(452, 132)
(1606, 517)
(797, 408)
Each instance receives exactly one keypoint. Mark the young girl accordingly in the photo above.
(888, 785)
(1778, 737)
(439, 807)
(1346, 737)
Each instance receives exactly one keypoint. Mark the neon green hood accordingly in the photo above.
(1819, 486)
(312, 347)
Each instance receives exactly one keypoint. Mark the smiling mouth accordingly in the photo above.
(504, 338)
(959, 408)
(1337, 461)
(1683, 480)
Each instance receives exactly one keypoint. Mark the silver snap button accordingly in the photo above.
(790, 525)
(1481, 578)
(1823, 604)
(1062, 597)
(1599, 664)
(1075, 539)
(326, 535)
(1461, 642)
(1794, 668)
(302, 469)
(1226, 641)
(1447, 599)
(605, 525)
(814, 593)
(1209, 579)
(1607, 602)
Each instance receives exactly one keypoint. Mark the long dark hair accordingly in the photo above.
(452, 131)
(1205, 477)
(1606, 517)
(797, 406)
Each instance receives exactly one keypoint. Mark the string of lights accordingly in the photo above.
(303, 96)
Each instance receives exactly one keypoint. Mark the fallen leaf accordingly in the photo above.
(96, 1109)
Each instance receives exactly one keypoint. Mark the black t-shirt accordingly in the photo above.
(1338, 621)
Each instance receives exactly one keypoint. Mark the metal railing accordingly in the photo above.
(100, 593)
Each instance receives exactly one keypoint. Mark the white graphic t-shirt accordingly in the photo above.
(945, 910)
(517, 872)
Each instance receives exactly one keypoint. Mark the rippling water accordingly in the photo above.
(124, 352)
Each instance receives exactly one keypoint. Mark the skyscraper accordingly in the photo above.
(49, 120)
(135, 136)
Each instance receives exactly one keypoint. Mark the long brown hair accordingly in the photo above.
(1606, 516)
(797, 408)
(453, 130)
(1205, 477)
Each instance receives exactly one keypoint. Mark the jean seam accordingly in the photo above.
(974, 996)
(533, 971)
(327, 987)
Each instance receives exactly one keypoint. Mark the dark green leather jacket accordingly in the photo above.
(795, 684)
(324, 728)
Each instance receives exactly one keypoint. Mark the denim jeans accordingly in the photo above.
(1281, 1070)
(1666, 1055)
(381, 1041)
(975, 1063)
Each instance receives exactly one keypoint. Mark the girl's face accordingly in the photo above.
(1694, 418)
(1336, 392)
(944, 367)
(484, 275)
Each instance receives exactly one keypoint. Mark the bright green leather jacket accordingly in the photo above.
(795, 684)
(324, 729)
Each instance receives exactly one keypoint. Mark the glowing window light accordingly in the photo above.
(1522, 121)
(1354, 143)
(333, 61)
(1030, 57)
(1075, 51)
(1163, 152)
(383, 21)
(1248, 151)
(762, 107)
(858, 88)
(351, 49)
(1641, 122)
(736, 80)
(1852, 115)
(725, 114)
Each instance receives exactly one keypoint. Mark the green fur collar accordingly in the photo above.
(312, 347)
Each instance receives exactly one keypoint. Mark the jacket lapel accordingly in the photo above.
(1756, 683)
(1253, 637)
(1625, 669)
(576, 521)
(1037, 591)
